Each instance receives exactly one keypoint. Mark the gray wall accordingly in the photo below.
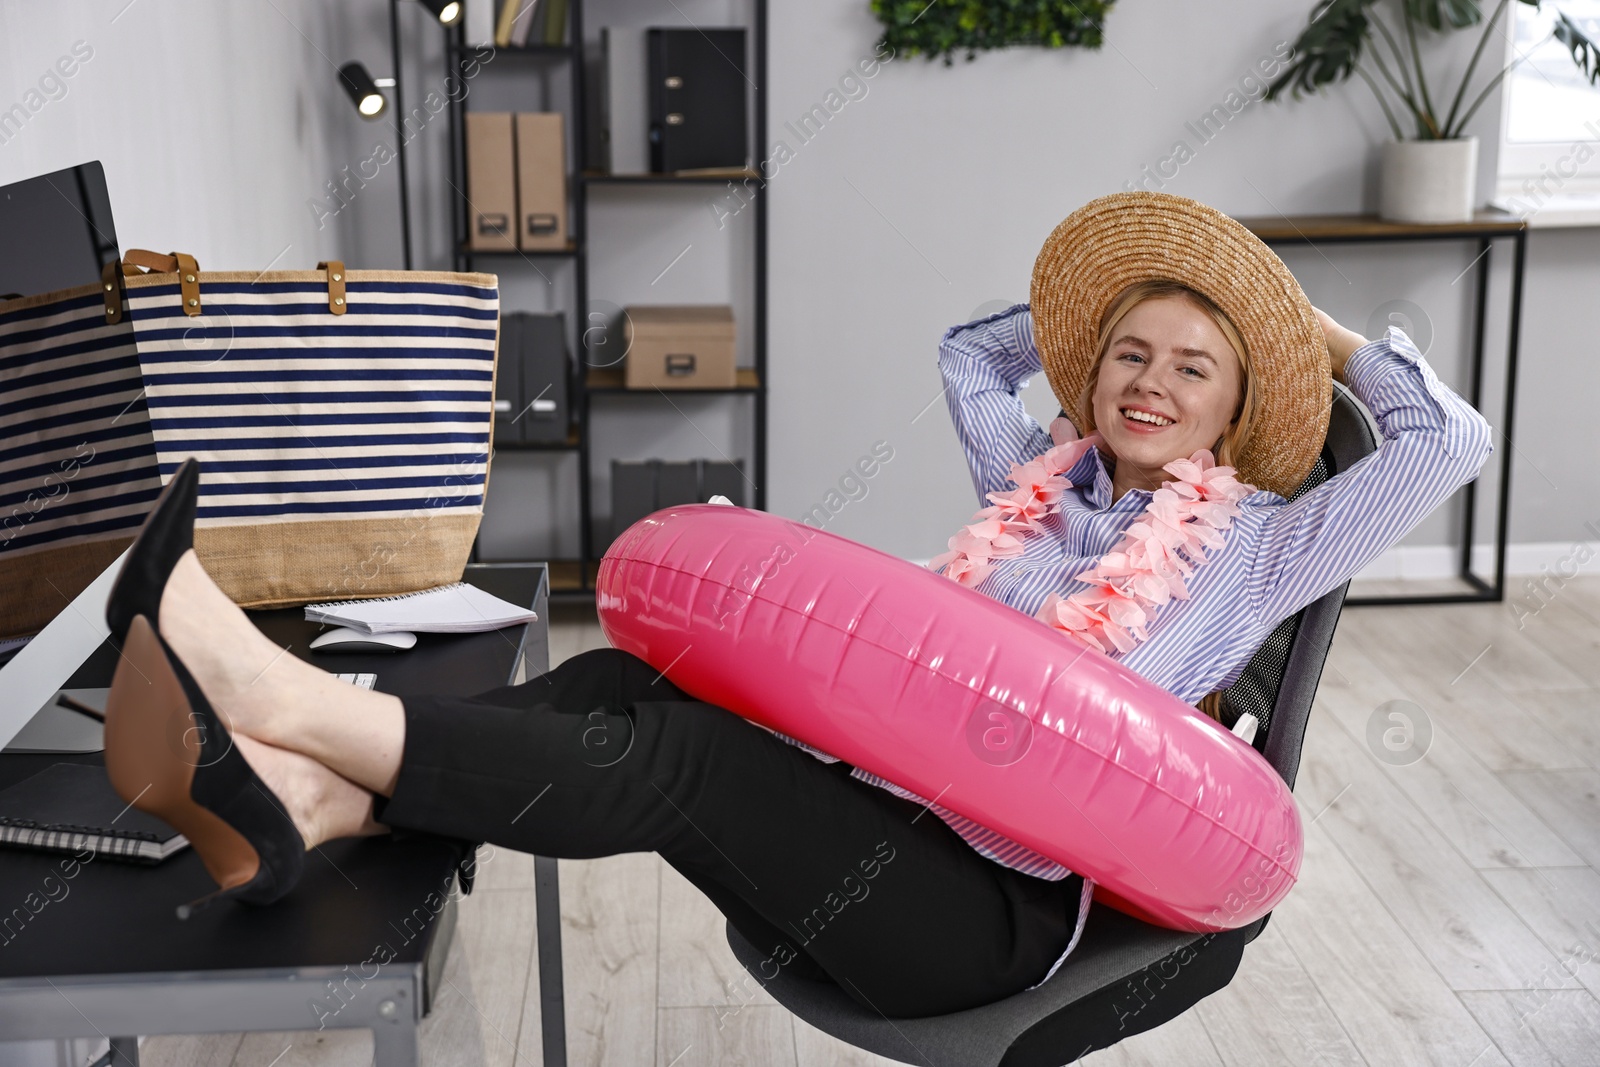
(929, 199)
(214, 121)
(921, 203)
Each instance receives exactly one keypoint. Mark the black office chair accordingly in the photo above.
(1125, 976)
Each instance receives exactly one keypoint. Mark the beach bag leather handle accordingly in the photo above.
(180, 263)
(333, 270)
(141, 260)
(111, 290)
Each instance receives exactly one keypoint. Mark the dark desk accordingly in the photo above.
(1485, 226)
(359, 943)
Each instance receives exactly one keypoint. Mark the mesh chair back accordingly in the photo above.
(1279, 683)
(1256, 690)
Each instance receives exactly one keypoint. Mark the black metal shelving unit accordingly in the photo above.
(576, 577)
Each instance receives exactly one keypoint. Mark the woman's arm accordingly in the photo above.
(1433, 442)
(1342, 342)
(983, 364)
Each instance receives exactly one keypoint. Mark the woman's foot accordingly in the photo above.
(267, 693)
(167, 753)
(253, 687)
(162, 580)
(323, 806)
(250, 680)
(166, 534)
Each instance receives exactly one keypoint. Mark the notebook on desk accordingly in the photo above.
(461, 608)
(71, 807)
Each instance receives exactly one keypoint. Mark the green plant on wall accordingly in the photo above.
(943, 27)
(1331, 46)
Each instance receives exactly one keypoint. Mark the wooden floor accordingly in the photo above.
(1448, 911)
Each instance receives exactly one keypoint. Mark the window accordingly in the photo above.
(1550, 117)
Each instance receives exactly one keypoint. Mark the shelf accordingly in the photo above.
(568, 445)
(610, 380)
(1368, 227)
(595, 177)
(524, 253)
(559, 50)
(566, 576)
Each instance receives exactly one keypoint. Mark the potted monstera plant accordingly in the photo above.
(1428, 171)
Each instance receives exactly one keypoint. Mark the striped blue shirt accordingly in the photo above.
(1280, 556)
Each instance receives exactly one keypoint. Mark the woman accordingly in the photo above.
(257, 756)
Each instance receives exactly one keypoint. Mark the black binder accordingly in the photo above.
(508, 382)
(637, 489)
(546, 373)
(698, 99)
(533, 381)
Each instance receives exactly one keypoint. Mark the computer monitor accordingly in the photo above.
(78, 466)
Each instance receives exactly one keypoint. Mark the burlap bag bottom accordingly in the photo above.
(287, 563)
(35, 587)
(273, 565)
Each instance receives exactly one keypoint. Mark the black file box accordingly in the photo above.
(639, 488)
(508, 383)
(698, 102)
(533, 383)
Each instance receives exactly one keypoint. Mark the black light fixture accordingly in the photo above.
(363, 90)
(448, 12)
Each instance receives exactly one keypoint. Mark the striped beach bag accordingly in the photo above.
(343, 419)
(77, 461)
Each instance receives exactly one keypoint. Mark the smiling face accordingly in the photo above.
(1169, 384)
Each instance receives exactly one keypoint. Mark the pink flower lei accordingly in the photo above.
(1143, 571)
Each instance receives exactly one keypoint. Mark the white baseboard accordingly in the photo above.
(1567, 558)
(1418, 562)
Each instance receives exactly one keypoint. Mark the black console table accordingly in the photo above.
(359, 943)
(1484, 227)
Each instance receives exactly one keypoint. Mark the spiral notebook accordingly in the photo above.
(71, 807)
(461, 608)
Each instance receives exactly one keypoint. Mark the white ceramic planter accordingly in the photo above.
(1428, 181)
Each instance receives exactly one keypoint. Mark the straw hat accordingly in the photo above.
(1110, 243)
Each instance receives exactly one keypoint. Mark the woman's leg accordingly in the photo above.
(603, 756)
(322, 805)
(880, 893)
(264, 692)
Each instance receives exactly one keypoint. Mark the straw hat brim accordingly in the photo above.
(1118, 240)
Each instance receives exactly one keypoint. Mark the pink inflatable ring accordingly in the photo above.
(955, 696)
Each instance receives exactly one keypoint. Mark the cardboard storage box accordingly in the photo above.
(679, 346)
(491, 182)
(541, 181)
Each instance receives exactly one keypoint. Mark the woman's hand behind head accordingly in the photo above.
(1341, 342)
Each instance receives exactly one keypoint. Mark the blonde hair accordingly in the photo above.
(1234, 439)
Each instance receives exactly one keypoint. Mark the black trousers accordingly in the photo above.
(837, 880)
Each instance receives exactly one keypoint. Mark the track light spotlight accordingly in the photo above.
(448, 12)
(363, 90)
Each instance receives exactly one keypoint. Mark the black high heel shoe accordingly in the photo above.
(167, 753)
(167, 533)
